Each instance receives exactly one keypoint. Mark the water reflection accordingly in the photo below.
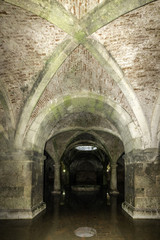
(69, 211)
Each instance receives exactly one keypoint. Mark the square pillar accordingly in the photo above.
(142, 184)
(19, 180)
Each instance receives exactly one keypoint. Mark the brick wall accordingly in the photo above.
(134, 41)
(81, 72)
(26, 42)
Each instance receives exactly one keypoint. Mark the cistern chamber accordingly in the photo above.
(79, 119)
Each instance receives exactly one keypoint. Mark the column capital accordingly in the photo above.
(21, 155)
(113, 165)
(141, 156)
(56, 165)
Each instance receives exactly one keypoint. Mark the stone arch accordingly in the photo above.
(155, 124)
(53, 63)
(108, 11)
(114, 70)
(46, 120)
(99, 142)
(101, 15)
(51, 11)
(7, 106)
(113, 157)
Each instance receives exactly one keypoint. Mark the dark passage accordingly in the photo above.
(70, 210)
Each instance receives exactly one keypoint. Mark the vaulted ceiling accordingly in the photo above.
(69, 67)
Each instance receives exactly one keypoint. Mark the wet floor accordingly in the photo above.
(68, 212)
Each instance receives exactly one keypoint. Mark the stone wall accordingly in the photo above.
(142, 185)
(134, 41)
(21, 185)
(27, 41)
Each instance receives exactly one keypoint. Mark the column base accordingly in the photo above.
(22, 213)
(113, 192)
(140, 213)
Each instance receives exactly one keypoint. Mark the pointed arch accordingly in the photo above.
(40, 129)
(108, 11)
(155, 122)
(55, 61)
(113, 69)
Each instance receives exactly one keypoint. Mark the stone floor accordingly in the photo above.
(68, 212)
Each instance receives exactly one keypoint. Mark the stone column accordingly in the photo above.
(113, 180)
(57, 183)
(21, 184)
(142, 184)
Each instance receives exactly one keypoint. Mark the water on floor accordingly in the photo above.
(69, 212)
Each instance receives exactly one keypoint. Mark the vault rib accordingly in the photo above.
(113, 69)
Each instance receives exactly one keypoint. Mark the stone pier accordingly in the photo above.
(142, 184)
(21, 185)
(113, 181)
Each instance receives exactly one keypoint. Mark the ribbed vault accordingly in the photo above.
(46, 121)
(79, 74)
(78, 31)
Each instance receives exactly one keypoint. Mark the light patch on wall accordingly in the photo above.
(86, 148)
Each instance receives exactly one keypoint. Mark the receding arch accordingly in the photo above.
(75, 132)
(7, 106)
(99, 150)
(40, 130)
(72, 142)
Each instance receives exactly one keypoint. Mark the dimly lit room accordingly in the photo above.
(79, 119)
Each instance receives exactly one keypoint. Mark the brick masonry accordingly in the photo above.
(134, 41)
(26, 42)
(25, 49)
(80, 72)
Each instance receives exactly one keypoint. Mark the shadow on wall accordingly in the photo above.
(121, 176)
(48, 176)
